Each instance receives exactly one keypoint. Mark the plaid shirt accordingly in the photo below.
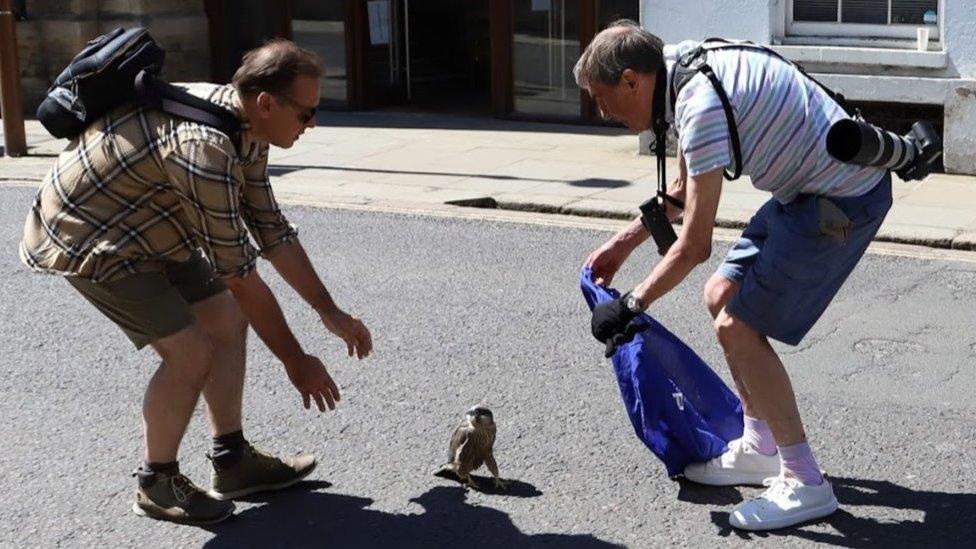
(140, 188)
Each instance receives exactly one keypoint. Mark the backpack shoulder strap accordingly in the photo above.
(690, 64)
(163, 96)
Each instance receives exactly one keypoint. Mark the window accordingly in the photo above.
(893, 19)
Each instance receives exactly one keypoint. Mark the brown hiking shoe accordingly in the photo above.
(258, 471)
(175, 498)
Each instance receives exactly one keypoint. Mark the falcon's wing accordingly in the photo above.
(458, 440)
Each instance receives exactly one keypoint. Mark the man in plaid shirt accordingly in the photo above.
(150, 217)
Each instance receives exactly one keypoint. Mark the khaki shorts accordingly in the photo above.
(152, 305)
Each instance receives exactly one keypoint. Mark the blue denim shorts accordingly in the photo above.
(789, 269)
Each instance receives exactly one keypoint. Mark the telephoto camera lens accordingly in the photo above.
(911, 156)
(863, 144)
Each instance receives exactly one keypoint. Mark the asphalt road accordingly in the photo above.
(466, 311)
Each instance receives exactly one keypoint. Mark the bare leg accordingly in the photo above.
(173, 391)
(718, 291)
(761, 378)
(226, 326)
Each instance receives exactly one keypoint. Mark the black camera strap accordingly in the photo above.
(653, 211)
(659, 126)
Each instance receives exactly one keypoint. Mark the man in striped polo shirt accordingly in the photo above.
(150, 217)
(784, 270)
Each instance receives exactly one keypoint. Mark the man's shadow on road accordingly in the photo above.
(947, 521)
(304, 517)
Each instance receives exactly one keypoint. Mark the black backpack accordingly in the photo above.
(116, 68)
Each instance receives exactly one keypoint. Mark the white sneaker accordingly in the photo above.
(740, 464)
(787, 502)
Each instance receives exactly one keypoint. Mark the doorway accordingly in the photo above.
(508, 58)
(432, 55)
(447, 55)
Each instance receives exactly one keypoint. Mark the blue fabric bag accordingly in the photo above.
(679, 407)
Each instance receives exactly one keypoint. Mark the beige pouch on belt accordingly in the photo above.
(833, 221)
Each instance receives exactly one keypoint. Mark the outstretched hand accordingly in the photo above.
(605, 261)
(351, 330)
(310, 377)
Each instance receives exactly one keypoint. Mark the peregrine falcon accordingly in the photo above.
(471, 445)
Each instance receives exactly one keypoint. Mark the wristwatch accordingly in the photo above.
(633, 305)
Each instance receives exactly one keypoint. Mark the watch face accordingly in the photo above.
(632, 303)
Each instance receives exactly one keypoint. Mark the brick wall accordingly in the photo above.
(55, 30)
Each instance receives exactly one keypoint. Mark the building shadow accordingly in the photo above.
(277, 170)
(947, 518)
(599, 183)
(308, 518)
(285, 169)
(393, 118)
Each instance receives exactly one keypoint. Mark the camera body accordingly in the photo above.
(928, 147)
(655, 220)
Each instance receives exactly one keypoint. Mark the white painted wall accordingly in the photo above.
(960, 31)
(762, 21)
(944, 77)
(677, 20)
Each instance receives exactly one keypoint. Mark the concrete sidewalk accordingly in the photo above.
(416, 159)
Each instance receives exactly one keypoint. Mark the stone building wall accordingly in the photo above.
(55, 30)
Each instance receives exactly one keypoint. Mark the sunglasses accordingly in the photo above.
(305, 114)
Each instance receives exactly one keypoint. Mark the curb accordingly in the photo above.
(962, 241)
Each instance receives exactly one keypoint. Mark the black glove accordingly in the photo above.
(611, 324)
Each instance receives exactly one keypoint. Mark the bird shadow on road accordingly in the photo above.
(947, 520)
(486, 485)
(304, 517)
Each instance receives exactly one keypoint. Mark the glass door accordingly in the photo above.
(383, 56)
(447, 55)
(373, 42)
(321, 27)
(546, 46)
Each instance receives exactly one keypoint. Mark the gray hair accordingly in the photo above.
(622, 45)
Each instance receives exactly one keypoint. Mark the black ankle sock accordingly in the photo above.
(149, 470)
(227, 448)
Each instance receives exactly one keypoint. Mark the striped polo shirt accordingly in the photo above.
(782, 118)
